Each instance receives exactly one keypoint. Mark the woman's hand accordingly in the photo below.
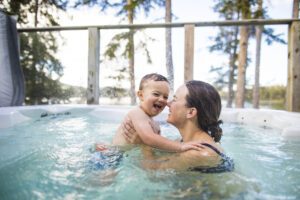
(193, 145)
(130, 133)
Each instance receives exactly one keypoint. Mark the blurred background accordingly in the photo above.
(55, 63)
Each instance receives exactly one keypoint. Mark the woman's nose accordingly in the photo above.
(169, 103)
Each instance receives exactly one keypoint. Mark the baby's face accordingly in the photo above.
(154, 97)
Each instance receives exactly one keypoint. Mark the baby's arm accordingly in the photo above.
(142, 127)
(155, 126)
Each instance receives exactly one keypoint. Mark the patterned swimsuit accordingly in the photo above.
(226, 164)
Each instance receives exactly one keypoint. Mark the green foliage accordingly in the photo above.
(122, 44)
(222, 75)
(121, 6)
(227, 41)
(270, 96)
(115, 45)
(273, 92)
(24, 8)
(113, 92)
(271, 37)
(116, 91)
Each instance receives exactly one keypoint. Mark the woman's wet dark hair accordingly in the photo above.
(205, 98)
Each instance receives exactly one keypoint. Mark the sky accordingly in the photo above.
(73, 53)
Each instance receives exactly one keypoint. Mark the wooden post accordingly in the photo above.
(293, 85)
(93, 66)
(189, 52)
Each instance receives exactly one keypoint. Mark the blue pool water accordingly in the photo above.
(47, 158)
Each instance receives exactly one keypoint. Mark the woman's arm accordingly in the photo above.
(179, 161)
(150, 161)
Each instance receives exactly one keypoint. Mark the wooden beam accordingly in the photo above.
(165, 25)
(93, 66)
(293, 85)
(189, 52)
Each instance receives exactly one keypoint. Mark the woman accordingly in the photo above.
(195, 111)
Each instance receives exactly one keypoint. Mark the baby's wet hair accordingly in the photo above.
(153, 77)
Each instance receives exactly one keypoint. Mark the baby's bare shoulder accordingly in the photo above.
(137, 113)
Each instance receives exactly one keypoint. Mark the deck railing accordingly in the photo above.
(293, 83)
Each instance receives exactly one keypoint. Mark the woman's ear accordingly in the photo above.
(140, 95)
(192, 112)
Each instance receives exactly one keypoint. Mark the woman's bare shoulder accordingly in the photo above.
(196, 154)
(203, 157)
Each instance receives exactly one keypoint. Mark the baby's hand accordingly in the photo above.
(101, 147)
(155, 127)
(191, 146)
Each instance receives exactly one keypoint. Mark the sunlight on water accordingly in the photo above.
(49, 158)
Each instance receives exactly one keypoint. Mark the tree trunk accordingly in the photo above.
(131, 55)
(34, 46)
(255, 97)
(230, 82)
(169, 59)
(36, 8)
(232, 59)
(244, 35)
(295, 9)
(258, 33)
(240, 96)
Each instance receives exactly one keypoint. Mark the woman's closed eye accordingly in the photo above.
(171, 101)
(174, 99)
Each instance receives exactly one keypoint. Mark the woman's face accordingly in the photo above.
(177, 107)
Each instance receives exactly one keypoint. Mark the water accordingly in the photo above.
(48, 159)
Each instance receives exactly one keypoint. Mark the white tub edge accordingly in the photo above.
(287, 122)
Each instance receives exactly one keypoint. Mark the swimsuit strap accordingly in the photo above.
(226, 164)
(213, 148)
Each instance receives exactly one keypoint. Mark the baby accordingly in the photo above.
(153, 94)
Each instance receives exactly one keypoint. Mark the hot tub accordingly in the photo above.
(45, 153)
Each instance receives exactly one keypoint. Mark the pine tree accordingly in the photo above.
(127, 8)
(38, 49)
(228, 41)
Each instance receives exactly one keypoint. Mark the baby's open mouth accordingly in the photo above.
(158, 106)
